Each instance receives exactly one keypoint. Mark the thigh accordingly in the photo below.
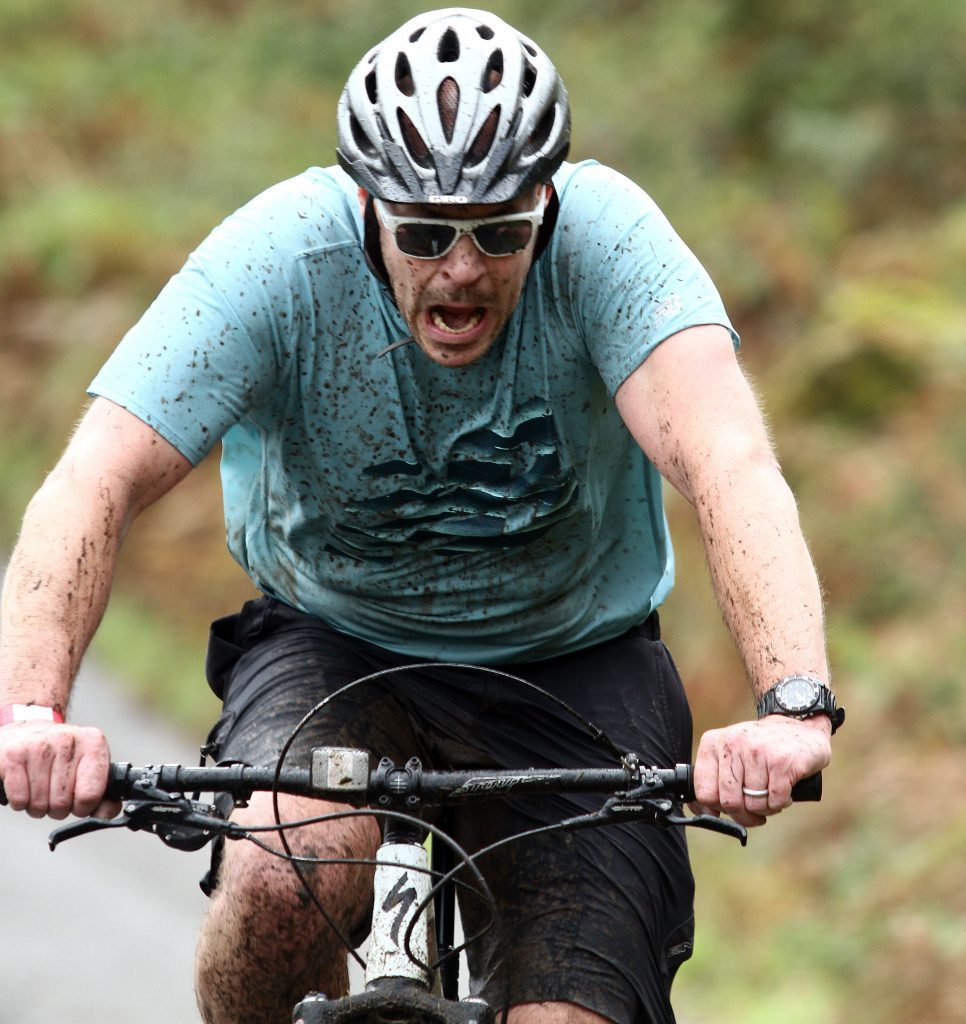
(334, 854)
(288, 686)
(292, 683)
(601, 918)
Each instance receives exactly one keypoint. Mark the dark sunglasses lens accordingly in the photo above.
(424, 240)
(504, 238)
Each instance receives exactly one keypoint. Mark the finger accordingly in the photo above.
(754, 783)
(706, 776)
(107, 809)
(755, 807)
(739, 767)
(39, 759)
(17, 786)
(60, 786)
(90, 780)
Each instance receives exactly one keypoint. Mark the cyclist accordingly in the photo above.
(447, 377)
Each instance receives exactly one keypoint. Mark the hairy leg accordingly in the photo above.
(553, 1013)
(264, 944)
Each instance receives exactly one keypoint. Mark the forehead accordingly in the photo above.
(460, 211)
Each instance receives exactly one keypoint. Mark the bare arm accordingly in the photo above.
(694, 414)
(55, 593)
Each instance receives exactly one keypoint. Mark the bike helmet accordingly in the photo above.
(455, 106)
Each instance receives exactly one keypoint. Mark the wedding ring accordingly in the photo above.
(754, 792)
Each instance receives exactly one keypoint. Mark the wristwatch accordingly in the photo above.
(801, 697)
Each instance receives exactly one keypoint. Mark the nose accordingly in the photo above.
(464, 263)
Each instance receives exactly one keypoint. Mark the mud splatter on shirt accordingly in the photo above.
(493, 512)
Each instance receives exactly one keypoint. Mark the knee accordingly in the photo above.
(258, 885)
(266, 893)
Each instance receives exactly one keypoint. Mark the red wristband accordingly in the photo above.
(29, 713)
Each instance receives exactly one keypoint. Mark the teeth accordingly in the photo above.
(438, 320)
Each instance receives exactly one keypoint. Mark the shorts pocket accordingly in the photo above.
(228, 639)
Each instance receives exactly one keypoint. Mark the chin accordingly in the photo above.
(453, 355)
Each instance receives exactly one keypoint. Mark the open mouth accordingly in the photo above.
(457, 320)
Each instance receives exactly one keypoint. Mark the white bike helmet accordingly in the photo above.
(454, 107)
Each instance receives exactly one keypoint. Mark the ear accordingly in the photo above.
(363, 199)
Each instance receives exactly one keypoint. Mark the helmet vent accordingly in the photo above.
(371, 90)
(361, 139)
(453, 106)
(448, 102)
(529, 79)
(541, 133)
(404, 75)
(483, 142)
(493, 74)
(414, 141)
(449, 47)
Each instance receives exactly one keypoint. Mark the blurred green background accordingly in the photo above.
(813, 154)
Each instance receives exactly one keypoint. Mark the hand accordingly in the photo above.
(55, 770)
(768, 755)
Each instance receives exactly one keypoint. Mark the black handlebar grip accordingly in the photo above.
(809, 789)
(116, 779)
(3, 795)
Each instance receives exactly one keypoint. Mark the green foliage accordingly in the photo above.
(810, 151)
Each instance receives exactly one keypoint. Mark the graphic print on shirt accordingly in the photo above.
(495, 490)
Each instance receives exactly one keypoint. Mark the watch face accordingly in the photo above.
(797, 694)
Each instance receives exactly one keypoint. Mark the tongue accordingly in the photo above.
(457, 319)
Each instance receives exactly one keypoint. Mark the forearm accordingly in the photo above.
(762, 573)
(56, 588)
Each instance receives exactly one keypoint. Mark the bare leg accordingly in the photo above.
(553, 1013)
(263, 944)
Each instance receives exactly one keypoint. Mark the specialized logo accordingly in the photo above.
(401, 897)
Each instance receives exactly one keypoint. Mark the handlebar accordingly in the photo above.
(342, 776)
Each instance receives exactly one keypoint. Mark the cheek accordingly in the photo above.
(406, 281)
(513, 280)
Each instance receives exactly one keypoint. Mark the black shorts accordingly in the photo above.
(599, 917)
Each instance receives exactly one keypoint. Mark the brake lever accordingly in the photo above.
(83, 827)
(178, 823)
(725, 826)
(660, 811)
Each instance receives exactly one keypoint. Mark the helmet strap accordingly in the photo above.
(372, 246)
(548, 224)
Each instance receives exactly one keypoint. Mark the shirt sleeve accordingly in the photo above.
(629, 278)
(217, 341)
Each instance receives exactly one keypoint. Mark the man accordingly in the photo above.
(447, 379)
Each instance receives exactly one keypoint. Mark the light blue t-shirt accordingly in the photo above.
(495, 512)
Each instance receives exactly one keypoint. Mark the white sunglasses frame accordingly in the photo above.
(392, 223)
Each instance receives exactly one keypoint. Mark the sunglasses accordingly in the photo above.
(432, 238)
